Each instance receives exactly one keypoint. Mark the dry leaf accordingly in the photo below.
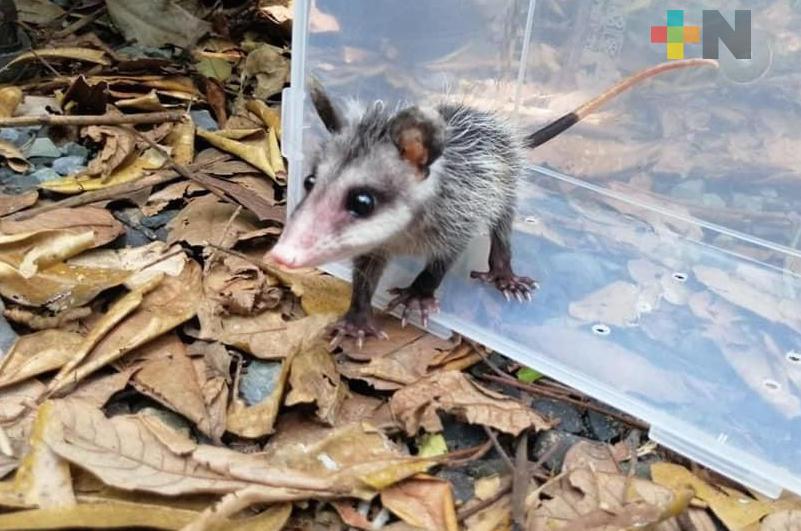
(118, 144)
(28, 252)
(38, 11)
(98, 390)
(258, 420)
(10, 98)
(14, 203)
(181, 140)
(141, 315)
(269, 116)
(250, 145)
(319, 293)
(131, 169)
(238, 287)
(416, 406)
(206, 220)
(314, 379)
(144, 262)
(157, 22)
(270, 68)
(105, 515)
(14, 157)
(83, 98)
(782, 521)
(87, 55)
(76, 220)
(122, 452)
(422, 502)
(37, 353)
(736, 510)
(43, 478)
(43, 321)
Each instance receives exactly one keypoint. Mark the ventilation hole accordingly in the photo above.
(771, 385)
(794, 356)
(680, 277)
(601, 330)
(532, 220)
(644, 307)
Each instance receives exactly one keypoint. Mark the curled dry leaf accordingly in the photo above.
(10, 98)
(144, 262)
(143, 314)
(118, 144)
(75, 220)
(251, 145)
(157, 22)
(14, 157)
(416, 406)
(269, 116)
(270, 67)
(319, 293)
(422, 502)
(87, 55)
(314, 379)
(28, 252)
(131, 169)
(43, 479)
(110, 514)
(14, 203)
(38, 353)
(238, 287)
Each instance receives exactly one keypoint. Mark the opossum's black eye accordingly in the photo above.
(360, 203)
(308, 182)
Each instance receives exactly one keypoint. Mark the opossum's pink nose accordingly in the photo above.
(286, 255)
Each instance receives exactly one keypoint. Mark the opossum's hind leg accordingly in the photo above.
(420, 294)
(500, 263)
(358, 322)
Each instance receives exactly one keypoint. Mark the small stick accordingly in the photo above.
(466, 513)
(455, 459)
(520, 480)
(80, 23)
(100, 119)
(506, 459)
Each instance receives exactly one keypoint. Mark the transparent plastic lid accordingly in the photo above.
(664, 230)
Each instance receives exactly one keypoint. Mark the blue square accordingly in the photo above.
(675, 17)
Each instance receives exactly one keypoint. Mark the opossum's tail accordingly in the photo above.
(570, 119)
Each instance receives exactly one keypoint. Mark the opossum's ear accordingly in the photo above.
(419, 136)
(322, 104)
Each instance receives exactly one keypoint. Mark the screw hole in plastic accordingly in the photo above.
(794, 356)
(601, 330)
(680, 277)
(771, 385)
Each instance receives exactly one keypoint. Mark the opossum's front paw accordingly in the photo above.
(508, 283)
(353, 328)
(409, 298)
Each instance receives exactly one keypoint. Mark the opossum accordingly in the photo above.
(419, 181)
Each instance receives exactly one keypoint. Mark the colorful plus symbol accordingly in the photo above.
(675, 34)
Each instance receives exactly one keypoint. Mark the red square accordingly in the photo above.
(658, 33)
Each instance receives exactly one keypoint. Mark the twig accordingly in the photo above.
(520, 480)
(508, 460)
(455, 459)
(535, 390)
(100, 119)
(486, 359)
(80, 23)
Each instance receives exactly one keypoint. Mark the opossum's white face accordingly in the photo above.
(367, 184)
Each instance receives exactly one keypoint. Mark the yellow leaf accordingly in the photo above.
(10, 98)
(319, 293)
(106, 515)
(213, 66)
(314, 379)
(736, 510)
(255, 150)
(271, 117)
(88, 55)
(14, 157)
(182, 141)
(149, 102)
(30, 251)
(276, 160)
(258, 420)
(130, 170)
(422, 502)
(432, 445)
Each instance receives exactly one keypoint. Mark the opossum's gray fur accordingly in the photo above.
(473, 183)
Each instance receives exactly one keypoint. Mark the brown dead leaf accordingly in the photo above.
(238, 287)
(270, 67)
(14, 203)
(98, 390)
(416, 405)
(118, 145)
(361, 408)
(87, 55)
(75, 220)
(43, 478)
(251, 145)
(85, 98)
(182, 141)
(314, 379)
(782, 521)
(10, 98)
(212, 369)
(123, 452)
(215, 95)
(264, 208)
(258, 420)
(156, 22)
(206, 220)
(589, 454)
(735, 509)
(36, 320)
(30, 252)
(171, 379)
(378, 348)
(37, 353)
(269, 116)
(14, 157)
(143, 262)
(38, 11)
(319, 293)
(400, 368)
(422, 502)
(143, 314)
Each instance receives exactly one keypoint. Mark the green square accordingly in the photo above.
(675, 33)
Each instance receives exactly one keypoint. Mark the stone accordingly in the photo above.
(204, 120)
(461, 483)
(46, 174)
(69, 165)
(74, 149)
(547, 440)
(460, 435)
(566, 415)
(7, 334)
(259, 381)
(43, 147)
(602, 427)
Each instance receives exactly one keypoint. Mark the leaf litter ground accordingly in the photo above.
(157, 373)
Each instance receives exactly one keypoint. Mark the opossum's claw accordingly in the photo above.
(409, 298)
(357, 329)
(508, 283)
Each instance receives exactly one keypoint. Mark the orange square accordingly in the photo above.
(692, 34)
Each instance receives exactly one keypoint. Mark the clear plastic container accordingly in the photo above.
(664, 230)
